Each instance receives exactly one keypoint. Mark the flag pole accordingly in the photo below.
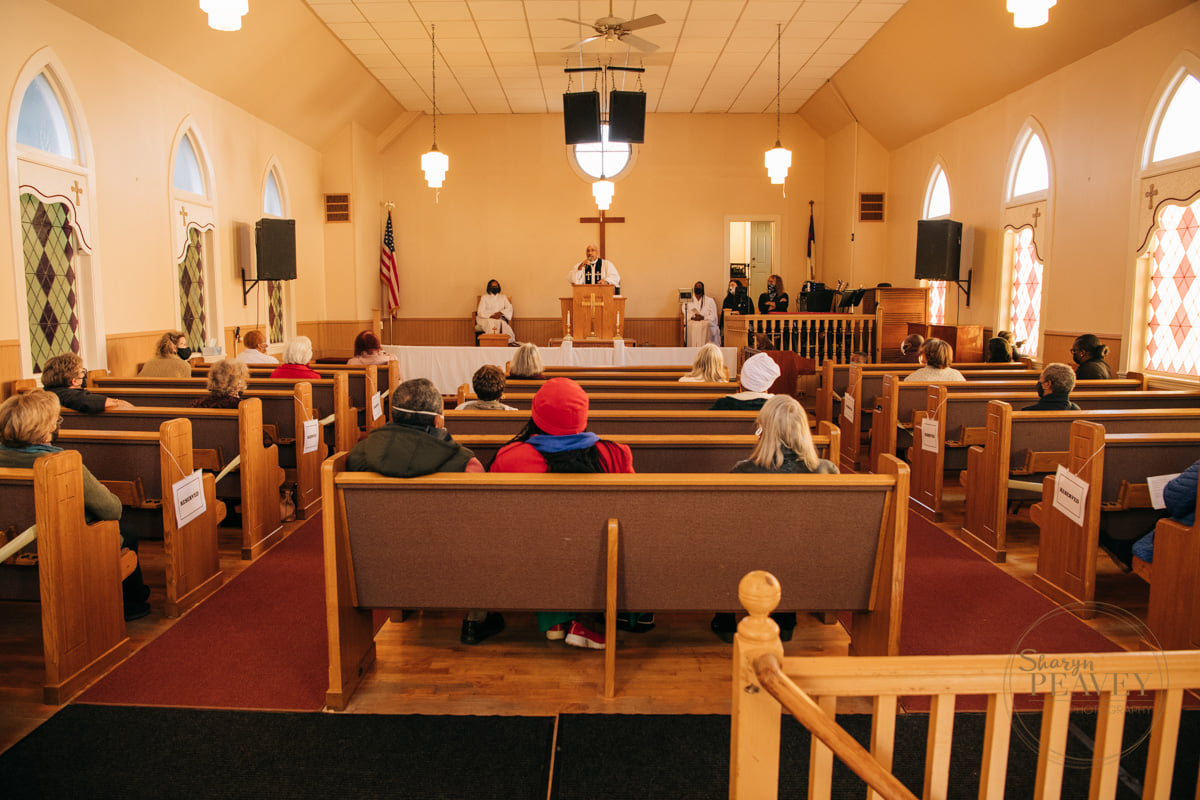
(384, 305)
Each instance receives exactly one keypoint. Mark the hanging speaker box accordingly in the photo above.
(275, 249)
(581, 117)
(627, 117)
(939, 249)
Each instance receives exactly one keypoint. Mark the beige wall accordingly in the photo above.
(853, 252)
(511, 205)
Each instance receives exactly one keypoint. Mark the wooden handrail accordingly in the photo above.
(797, 702)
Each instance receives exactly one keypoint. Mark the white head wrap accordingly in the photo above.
(758, 373)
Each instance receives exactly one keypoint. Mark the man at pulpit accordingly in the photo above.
(594, 271)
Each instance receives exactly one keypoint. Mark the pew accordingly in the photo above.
(631, 401)
(609, 423)
(766, 684)
(79, 572)
(656, 453)
(522, 385)
(1029, 445)
(141, 467)
(226, 434)
(1173, 614)
(1115, 467)
(603, 542)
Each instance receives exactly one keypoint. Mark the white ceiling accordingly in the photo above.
(507, 56)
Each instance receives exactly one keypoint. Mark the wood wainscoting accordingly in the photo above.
(1056, 346)
(10, 366)
(126, 351)
(460, 332)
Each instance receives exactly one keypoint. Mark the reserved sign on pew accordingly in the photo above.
(189, 498)
(1070, 493)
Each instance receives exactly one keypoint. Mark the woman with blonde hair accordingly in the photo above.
(526, 362)
(709, 366)
(784, 441)
(170, 358)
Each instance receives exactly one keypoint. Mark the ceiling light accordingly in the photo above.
(778, 159)
(1030, 13)
(435, 162)
(225, 15)
(603, 191)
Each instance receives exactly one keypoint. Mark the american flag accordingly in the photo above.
(812, 240)
(387, 266)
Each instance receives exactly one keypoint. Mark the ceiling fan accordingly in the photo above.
(615, 29)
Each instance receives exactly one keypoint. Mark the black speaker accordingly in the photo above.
(275, 249)
(581, 117)
(939, 249)
(627, 117)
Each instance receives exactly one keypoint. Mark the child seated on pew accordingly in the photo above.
(709, 366)
(28, 425)
(488, 384)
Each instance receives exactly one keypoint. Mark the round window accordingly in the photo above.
(602, 159)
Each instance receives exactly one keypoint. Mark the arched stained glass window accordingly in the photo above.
(188, 177)
(1179, 130)
(1033, 171)
(1026, 306)
(272, 203)
(42, 123)
(937, 204)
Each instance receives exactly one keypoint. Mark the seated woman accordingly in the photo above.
(526, 362)
(709, 366)
(1088, 353)
(757, 375)
(368, 350)
(556, 440)
(488, 385)
(935, 359)
(170, 360)
(296, 355)
(784, 445)
(226, 381)
(28, 423)
(255, 352)
(999, 351)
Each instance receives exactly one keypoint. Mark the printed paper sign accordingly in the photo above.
(929, 435)
(376, 406)
(189, 498)
(1069, 494)
(848, 406)
(1157, 483)
(312, 435)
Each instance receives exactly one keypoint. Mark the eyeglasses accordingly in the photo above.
(59, 423)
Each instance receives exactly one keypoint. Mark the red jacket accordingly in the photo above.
(296, 372)
(524, 457)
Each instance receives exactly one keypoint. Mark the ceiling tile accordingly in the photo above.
(362, 46)
(496, 9)
(352, 30)
(439, 10)
(387, 12)
(338, 13)
(822, 12)
(874, 12)
(401, 30)
(499, 29)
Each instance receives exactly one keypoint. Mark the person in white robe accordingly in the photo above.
(703, 325)
(495, 311)
(594, 270)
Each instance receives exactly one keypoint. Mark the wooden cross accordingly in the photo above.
(1150, 197)
(183, 213)
(76, 190)
(593, 304)
(1037, 212)
(603, 220)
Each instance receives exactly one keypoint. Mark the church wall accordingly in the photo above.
(852, 251)
(133, 109)
(1093, 112)
(511, 204)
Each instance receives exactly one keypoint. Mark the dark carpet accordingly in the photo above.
(129, 751)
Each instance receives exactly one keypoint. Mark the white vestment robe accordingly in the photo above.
(701, 332)
(489, 304)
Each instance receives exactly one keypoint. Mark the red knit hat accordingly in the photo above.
(560, 407)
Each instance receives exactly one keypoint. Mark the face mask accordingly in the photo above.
(1078, 358)
(1040, 391)
(184, 352)
(732, 289)
(770, 288)
(493, 289)
(698, 291)
(83, 382)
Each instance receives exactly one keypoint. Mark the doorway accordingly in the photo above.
(752, 249)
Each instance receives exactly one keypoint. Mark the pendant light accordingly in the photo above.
(225, 15)
(435, 162)
(778, 159)
(603, 191)
(1030, 13)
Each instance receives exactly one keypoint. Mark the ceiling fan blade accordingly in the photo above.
(639, 43)
(643, 22)
(582, 42)
(575, 22)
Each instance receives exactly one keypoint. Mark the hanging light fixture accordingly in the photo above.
(435, 162)
(1030, 13)
(778, 159)
(225, 15)
(603, 191)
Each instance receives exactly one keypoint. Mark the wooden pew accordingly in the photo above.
(767, 685)
(657, 453)
(79, 571)
(1174, 611)
(228, 433)
(632, 401)
(141, 467)
(1029, 445)
(521, 385)
(609, 423)
(1115, 467)
(626, 545)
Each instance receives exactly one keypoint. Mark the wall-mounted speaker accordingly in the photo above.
(275, 249)
(939, 249)
(581, 117)
(627, 117)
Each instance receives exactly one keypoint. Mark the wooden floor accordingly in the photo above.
(679, 668)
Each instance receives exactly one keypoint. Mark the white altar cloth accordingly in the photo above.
(450, 367)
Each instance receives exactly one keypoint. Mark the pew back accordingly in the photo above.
(609, 423)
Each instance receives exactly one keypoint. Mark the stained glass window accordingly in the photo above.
(50, 280)
(937, 204)
(1033, 171)
(1173, 339)
(1026, 306)
(188, 177)
(1179, 130)
(42, 123)
(191, 291)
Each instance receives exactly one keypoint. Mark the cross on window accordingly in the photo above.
(76, 190)
(1037, 212)
(183, 213)
(1150, 197)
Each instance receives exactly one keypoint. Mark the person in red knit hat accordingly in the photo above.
(555, 440)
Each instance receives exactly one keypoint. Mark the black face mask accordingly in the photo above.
(494, 288)
(1078, 358)
(184, 352)
(698, 291)
(1040, 391)
(83, 382)
(770, 288)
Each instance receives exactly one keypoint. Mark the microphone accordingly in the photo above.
(237, 334)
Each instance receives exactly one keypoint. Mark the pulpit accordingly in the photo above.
(592, 312)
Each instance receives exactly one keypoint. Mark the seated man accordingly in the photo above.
(1054, 389)
(700, 314)
(65, 376)
(488, 385)
(416, 443)
(910, 349)
(495, 312)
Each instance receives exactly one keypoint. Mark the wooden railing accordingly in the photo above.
(823, 337)
(765, 683)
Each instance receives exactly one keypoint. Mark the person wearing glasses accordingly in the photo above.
(65, 377)
(1088, 352)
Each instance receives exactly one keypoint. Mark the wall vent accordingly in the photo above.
(337, 208)
(870, 206)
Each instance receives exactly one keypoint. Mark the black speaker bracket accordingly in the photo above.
(967, 288)
(246, 290)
